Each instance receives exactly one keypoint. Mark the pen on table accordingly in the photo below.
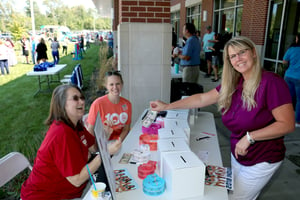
(209, 133)
(206, 137)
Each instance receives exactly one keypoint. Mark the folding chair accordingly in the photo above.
(11, 165)
(68, 76)
(76, 77)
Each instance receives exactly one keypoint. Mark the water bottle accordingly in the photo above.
(176, 66)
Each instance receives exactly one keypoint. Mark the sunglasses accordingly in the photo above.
(110, 73)
(76, 98)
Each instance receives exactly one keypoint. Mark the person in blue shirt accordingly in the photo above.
(207, 42)
(110, 39)
(292, 75)
(190, 55)
(33, 47)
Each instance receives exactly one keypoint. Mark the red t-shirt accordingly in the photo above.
(118, 115)
(63, 153)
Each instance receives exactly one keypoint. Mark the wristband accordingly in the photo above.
(250, 139)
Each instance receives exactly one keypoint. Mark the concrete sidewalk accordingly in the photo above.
(285, 184)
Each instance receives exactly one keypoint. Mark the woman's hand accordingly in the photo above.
(78, 179)
(241, 148)
(114, 147)
(158, 105)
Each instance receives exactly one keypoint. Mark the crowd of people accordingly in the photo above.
(34, 49)
(210, 46)
(257, 106)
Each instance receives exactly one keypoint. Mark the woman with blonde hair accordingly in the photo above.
(256, 107)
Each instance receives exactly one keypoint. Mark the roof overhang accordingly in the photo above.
(104, 7)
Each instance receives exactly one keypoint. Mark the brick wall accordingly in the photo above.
(144, 11)
(254, 20)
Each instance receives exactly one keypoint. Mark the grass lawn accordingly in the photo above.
(22, 115)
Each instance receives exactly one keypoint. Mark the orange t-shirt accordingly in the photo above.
(118, 115)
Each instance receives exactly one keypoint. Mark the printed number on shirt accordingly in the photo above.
(115, 118)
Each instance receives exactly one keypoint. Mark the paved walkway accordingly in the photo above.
(285, 184)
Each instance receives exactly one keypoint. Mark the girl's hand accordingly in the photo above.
(114, 146)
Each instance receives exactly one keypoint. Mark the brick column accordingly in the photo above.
(144, 11)
(207, 5)
(254, 20)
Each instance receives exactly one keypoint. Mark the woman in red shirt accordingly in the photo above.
(59, 170)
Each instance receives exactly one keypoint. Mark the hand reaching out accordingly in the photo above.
(158, 105)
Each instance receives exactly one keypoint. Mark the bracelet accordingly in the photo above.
(250, 139)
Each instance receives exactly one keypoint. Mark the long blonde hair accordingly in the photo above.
(230, 76)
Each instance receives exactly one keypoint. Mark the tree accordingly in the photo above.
(17, 27)
(56, 13)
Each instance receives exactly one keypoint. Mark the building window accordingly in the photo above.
(193, 15)
(283, 25)
(175, 21)
(228, 17)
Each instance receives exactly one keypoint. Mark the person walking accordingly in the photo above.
(55, 53)
(65, 46)
(190, 55)
(256, 106)
(3, 58)
(207, 42)
(292, 75)
(12, 59)
(41, 50)
(81, 44)
(110, 39)
(25, 48)
(33, 48)
(216, 55)
(174, 38)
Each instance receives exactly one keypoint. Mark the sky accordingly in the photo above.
(20, 4)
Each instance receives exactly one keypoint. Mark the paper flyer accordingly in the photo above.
(124, 182)
(219, 176)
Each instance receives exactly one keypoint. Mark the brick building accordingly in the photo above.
(271, 24)
(142, 32)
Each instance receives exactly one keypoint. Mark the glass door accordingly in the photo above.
(283, 24)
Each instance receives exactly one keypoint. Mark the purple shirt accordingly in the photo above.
(271, 93)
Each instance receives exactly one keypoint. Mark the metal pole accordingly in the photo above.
(32, 17)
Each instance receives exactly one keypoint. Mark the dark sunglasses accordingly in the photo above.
(76, 98)
(110, 73)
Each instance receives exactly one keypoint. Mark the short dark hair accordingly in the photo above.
(191, 28)
(208, 27)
